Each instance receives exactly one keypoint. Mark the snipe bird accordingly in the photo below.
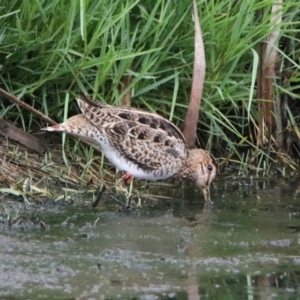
(144, 144)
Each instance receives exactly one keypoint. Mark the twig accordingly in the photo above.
(37, 113)
(26, 106)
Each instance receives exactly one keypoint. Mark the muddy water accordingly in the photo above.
(245, 247)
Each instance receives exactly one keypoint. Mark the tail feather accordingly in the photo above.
(78, 126)
(73, 124)
(56, 127)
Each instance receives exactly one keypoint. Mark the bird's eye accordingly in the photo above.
(209, 168)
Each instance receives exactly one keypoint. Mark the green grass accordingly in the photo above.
(50, 50)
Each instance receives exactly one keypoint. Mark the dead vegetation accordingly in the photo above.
(24, 172)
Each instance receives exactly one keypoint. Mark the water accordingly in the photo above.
(245, 247)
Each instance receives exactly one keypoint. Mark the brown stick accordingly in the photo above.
(270, 67)
(8, 131)
(268, 71)
(260, 93)
(125, 82)
(12, 132)
(26, 106)
(191, 118)
(271, 62)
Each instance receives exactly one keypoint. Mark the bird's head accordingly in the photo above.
(204, 168)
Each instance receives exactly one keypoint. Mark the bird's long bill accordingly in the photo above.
(206, 193)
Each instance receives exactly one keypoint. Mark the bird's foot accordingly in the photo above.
(208, 205)
(127, 178)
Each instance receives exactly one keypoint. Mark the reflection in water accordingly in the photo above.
(244, 247)
(269, 286)
(265, 284)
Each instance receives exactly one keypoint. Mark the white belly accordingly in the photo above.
(124, 165)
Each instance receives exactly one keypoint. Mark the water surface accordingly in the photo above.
(245, 247)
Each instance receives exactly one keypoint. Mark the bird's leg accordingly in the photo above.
(139, 204)
(129, 193)
(128, 180)
(208, 205)
(99, 194)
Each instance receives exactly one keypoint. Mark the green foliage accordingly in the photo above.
(50, 48)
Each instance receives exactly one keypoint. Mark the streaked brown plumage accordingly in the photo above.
(141, 143)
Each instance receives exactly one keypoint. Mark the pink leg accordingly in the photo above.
(127, 177)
